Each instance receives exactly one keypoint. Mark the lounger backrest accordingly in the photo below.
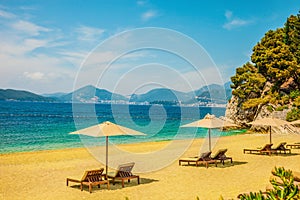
(205, 155)
(281, 146)
(267, 147)
(220, 154)
(124, 170)
(93, 175)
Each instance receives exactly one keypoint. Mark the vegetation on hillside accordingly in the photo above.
(273, 76)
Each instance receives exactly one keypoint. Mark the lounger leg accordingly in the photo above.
(67, 182)
(108, 184)
(138, 179)
(122, 183)
(90, 188)
(81, 186)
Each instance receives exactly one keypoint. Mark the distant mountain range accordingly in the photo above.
(20, 95)
(89, 94)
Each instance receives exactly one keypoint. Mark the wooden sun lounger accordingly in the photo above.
(220, 155)
(293, 146)
(265, 150)
(124, 173)
(281, 149)
(203, 159)
(91, 178)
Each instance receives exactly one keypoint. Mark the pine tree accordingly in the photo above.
(276, 61)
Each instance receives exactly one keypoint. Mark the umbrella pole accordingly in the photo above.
(270, 135)
(106, 163)
(209, 139)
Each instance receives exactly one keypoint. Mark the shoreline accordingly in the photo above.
(162, 140)
(42, 174)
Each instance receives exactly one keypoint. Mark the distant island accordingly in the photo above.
(213, 95)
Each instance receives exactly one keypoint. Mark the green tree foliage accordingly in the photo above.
(293, 115)
(292, 35)
(247, 81)
(294, 94)
(275, 60)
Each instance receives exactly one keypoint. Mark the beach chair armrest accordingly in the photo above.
(73, 180)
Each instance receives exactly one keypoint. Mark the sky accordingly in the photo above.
(130, 46)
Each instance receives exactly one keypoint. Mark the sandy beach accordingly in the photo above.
(42, 175)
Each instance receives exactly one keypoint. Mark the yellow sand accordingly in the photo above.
(42, 175)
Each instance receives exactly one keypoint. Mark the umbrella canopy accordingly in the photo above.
(295, 122)
(107, 129)
(210, 121)
(268, 121)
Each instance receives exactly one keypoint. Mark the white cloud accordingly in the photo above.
(89, 33)
(34, 75)
(28, 28)
(149, 15)
(234, 22)
(19, 46)
(35, 57)
(6, 15)
(32, 44)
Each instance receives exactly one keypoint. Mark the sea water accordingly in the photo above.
(33, 126)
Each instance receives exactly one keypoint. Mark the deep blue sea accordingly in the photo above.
(33, 126)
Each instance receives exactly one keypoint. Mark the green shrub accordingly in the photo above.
(293, 115)
(281, 108)
(251, 103)
(294, 94)
(297, 102)
(285, 99)
(285, 189)
(270, 108)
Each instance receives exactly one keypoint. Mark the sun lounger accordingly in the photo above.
(220, 155)
(124, 173)
(197, 160)
(293, 146)
(281, 149)
(265, 150)
(91, 178)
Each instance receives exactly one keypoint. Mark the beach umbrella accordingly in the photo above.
(295, 122)
(107, 129)
(268, 121)
(210, 122)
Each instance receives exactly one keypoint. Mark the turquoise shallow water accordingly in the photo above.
(32, 126)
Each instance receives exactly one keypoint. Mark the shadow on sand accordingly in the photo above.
(228, 164)
(118, 185)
